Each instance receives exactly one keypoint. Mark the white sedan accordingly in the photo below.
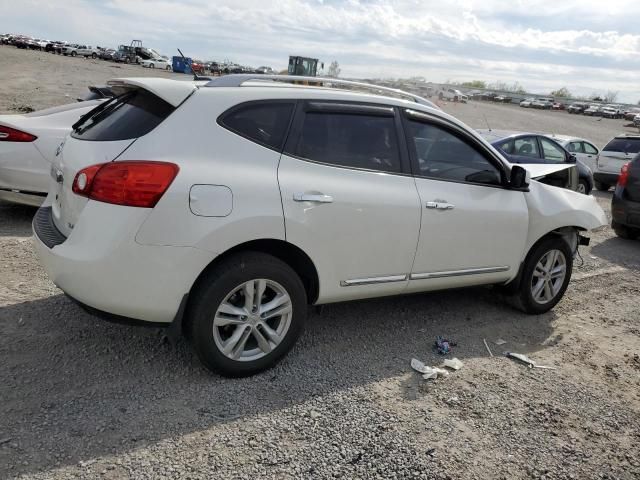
(157, 63)
(28, 145)
(584, 150)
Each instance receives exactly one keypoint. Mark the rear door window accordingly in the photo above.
(265, 123)
(126, 117)
(575, 147)
(590, 149)
(350, 140)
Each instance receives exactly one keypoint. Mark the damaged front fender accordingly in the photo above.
(553, 208)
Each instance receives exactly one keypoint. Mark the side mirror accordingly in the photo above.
(572, 158)
(520, 178)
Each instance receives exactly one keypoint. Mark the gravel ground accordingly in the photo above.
(82, 398)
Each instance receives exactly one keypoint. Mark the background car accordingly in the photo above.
(542, 103)
(107, 54)
(577, 107)
(625, 204)
(593, 110)
(28, 145)
(518, 147)
(584, 150)
(620, 150)
(558, 106)
(526, 103)
(631, 113)
(162, 63)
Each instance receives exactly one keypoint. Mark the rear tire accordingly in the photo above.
(583, 187)
(151, 65)
(625, 232)
(231, 333)
(73, 54)
(93, 55)
(545, 276)
(603, 187)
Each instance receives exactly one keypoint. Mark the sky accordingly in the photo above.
(583, 45)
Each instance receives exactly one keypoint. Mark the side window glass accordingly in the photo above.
(263, 123)
(552, 152)
(350, 140)
(575, 147)
(590, 149)
(441, 154)
(507, 147)
(526, 147)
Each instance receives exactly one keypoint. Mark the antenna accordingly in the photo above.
(486, 121)
(195, 77)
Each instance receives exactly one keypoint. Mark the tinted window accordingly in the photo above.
(349, 140)
(590, 149)
(628, 145)
(128, 116)
(264, 123)
(441, 154)
(575, 147)
(507, 147)
(552, 152)
(526, 147)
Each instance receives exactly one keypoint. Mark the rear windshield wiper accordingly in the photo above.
(100, 109)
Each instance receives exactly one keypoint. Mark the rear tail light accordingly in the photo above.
(623, 178)
(130, 183)
(8, 134)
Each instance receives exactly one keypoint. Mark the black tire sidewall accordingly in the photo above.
(218, 284)
(586, 186)
(529, 305)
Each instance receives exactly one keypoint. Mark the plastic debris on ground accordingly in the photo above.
(526, 360)
(487, 345)
(453, 363)
(500, 341)
(431, 373)
(443, 345)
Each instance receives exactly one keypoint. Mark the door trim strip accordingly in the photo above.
(372, 280)
(458, 273)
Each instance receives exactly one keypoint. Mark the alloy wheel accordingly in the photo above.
(252, 320)
(548, 276)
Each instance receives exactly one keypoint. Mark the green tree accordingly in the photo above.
(475, 84)
(561, 92)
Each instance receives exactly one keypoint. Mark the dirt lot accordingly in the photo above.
(82, 398)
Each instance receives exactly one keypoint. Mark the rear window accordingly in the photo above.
(126, 117)
(625, 145)
(265, 123)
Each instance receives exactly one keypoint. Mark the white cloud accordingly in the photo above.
(584, 45)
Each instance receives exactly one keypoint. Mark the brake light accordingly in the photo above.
(8, 134)
(129, 183)
(623, 178)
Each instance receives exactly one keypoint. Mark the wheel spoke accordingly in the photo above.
(260, 286)
(538, 271)
(229, 309)
(537, 289)
(249, 291)
(548, 293)
(263, 343)
(232, 342)
(270, 309)
(222, 321)
(558, 271)
(271, 334)
(551, 259)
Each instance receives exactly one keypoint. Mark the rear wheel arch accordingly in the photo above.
(290, 254)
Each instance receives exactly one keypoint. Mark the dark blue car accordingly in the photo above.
(518, 147)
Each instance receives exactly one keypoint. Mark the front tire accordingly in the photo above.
(247, 314)
(73, 54)
(545, 276)
(583, 187)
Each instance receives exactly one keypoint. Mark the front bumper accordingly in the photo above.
(101, 265)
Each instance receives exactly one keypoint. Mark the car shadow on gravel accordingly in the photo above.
(619, 251)
(15, 220)
(75, 388)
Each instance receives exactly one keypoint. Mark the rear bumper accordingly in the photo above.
(606, 178)
(101, 266)
(624, 211)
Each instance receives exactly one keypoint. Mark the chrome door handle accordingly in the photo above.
(440, 205)
(312, 197)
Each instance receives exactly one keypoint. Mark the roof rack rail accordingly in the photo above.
(237, 80)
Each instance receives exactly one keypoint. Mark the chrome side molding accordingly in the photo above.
(458, 273)
(372, 280)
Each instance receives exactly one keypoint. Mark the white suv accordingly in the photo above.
(615, 154)
(226, 208)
